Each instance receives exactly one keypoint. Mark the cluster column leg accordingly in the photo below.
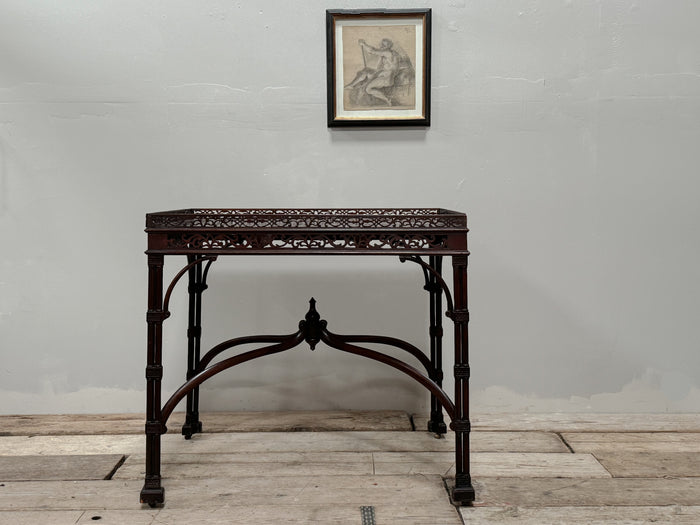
(152, 491)
(194, 335)
(463, 491)
(437, 421)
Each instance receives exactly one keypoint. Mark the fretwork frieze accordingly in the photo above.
(257, 241)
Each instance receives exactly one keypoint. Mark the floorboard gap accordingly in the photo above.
(566, 444)
(116, 467)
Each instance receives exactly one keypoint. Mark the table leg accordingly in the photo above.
(463, 491)
(437, 421)
(152, 491)
(194, 334)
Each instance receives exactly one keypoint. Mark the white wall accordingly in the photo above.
(567, 130)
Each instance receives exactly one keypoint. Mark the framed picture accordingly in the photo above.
(378, 67)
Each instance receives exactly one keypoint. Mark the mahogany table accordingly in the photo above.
(203, 235)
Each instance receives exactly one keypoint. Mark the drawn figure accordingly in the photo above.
(386, 71)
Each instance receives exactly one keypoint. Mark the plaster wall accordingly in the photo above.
(567, 130)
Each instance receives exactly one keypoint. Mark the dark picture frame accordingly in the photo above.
(378, 67)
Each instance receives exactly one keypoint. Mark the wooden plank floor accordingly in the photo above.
(269, 468)
(75, 424)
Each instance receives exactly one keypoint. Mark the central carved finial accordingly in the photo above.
(312, 325)
(312, 309)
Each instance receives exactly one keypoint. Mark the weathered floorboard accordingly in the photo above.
(573, 422)
(484, 464)
(71, 445)
(533, 465)
(235, 491)
(358, 441)
(337, 420)
(335, 514)
(126, 517)
(492, 464)
(650, 464)
(74, 424)
(553, 492)
(257, 457)
(514, 442)
(36, 517)
(58, 468)
(512, 515)
(188, 466)
(595, 442)
(323, 515)
(386, 420)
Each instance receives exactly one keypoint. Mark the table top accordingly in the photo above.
(344, 231)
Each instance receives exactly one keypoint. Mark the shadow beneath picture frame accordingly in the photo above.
(376, 133)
